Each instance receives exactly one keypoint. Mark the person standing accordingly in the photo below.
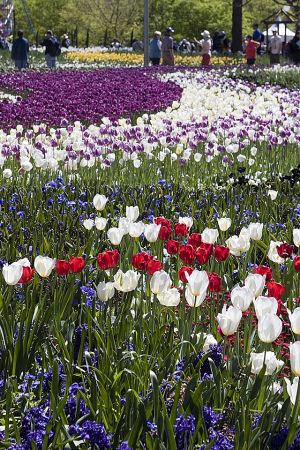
(251, 50)
(275, 47)
(52, 49)
(155, 49)
(294, 48)
(206, 46)
(167, 48)
(20, 51)
(258, 37)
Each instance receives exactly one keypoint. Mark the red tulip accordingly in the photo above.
(275, 290)
(181, 229)
(108, 259)
(26, 275)
(215, 282)
(164, 233)
(285, 250)
(187, 254)
(173, 247)
(140, 260)
(297, 263)
(62, 267)
(182, 273)
(202, 255)
(195, 240)
(221, 253)
(77, 264)
(162, 221)
(264, 271)
(153, 266)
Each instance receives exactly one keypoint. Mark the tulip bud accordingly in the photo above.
(268, 358)
(44, 265)
(99, 202)
(292, 389)
(115, 235)
(255, 231)
(224, 223)
(105, 291)
(100, 223)
(229, 320)
(272, 194)
(269, 328)
(160, 282)
(295, 357)
(170, 297)
(132, 213)
(151, 232)
(241, 297)
(295, 320)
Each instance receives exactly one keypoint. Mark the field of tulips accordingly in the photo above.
(150, 265)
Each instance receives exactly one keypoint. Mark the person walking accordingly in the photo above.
(251, 50)
(167, 48)
(257, 36)
(155, 49)
(20, 51)
(275, 47)
(52, 49)
(206, 45)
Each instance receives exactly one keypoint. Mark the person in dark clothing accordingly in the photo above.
(52, 49)
(294, 48)
(20, 50)
(65, 42)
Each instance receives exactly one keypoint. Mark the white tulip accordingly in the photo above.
(44, 265)
(269, 328)
(224, 223)
(151, 232)
(100, 223)
(88, 224)
(242, 297)
(99, 202)
(136, 229)
(292, 389)
(170, 297)
(295, 357)
(272, 194)
(295, 320)
(265, 305)
(188, 221)
(229, 320)
(12, 273)
(296, 236)
(198, 282)
(273, 253)
(123, 224)
(126, 282)
(256, 283)
(160, 282)
(268, 358)
(115, 235)
(26, 165)
(105, 291)
(132, 213)
(7, 173)
(238, 245)
(209, 235)
(194, 300)
(209, 340)
(255, 230)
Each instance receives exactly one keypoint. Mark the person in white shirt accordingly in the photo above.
(275, 47)
(205, 45)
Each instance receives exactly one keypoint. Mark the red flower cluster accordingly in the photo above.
(264, 271)
(108, 259)
(75, 265)
(146, 262)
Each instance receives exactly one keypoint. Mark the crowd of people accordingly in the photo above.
(162, 49)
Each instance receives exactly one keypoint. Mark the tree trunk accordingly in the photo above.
(237, 22)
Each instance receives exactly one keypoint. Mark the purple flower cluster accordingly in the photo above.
(86, 96)
(184, 429)
(92, 432)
